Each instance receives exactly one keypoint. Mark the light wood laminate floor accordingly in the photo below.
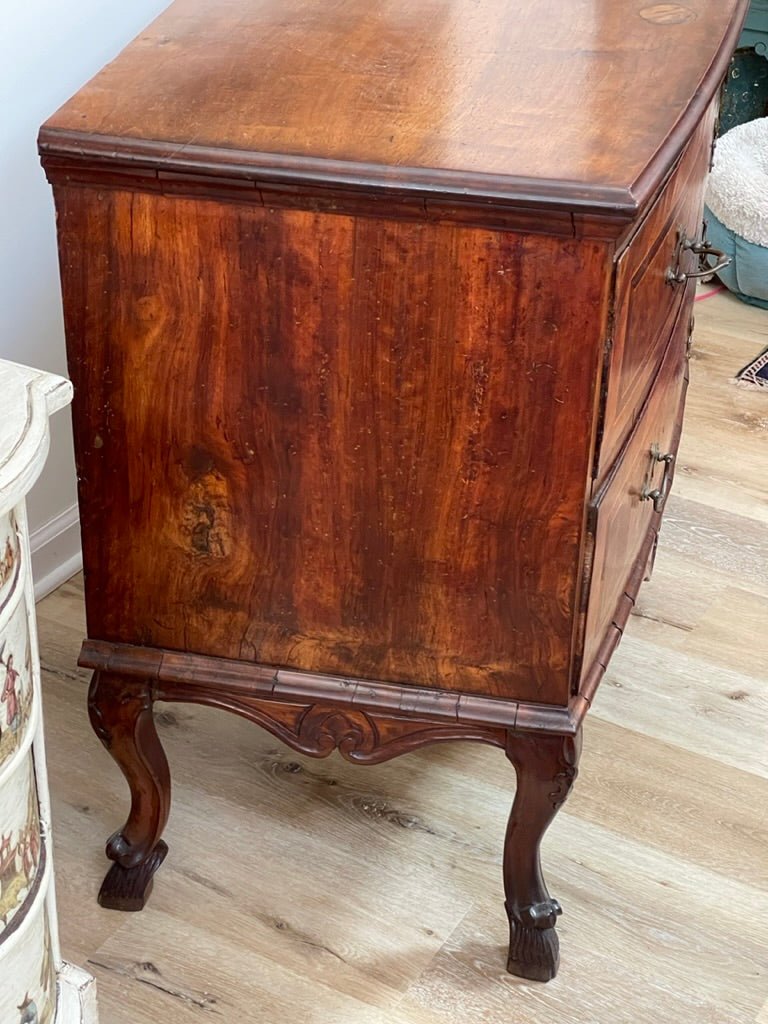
(316, 891)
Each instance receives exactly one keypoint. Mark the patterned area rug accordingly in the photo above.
(755, 374)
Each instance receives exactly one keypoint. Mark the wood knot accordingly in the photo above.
(207, 513)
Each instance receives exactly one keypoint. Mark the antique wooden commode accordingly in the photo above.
(378, 317)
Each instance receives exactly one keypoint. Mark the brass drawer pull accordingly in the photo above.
(659, 494)
(701, 249)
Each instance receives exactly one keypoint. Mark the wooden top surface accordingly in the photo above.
(584, 104)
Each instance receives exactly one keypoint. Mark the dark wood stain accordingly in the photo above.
(375, 358)
(358, 426)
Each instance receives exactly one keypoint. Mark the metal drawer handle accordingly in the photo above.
(659, 494)
(703, 250)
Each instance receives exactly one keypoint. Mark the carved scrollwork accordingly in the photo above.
(318, 729)
(324, 729)
(109, 695)
(366, 738)
(565, 778)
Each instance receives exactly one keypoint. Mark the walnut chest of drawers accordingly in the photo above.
(377, 317)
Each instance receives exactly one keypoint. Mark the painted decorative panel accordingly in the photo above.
(28, 989)
(10, 557)
(20, 844)
(36, 985)
(15, 683)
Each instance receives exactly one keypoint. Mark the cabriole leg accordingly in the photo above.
(120, 709)
(546, 767)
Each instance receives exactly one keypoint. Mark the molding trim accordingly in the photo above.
(157, 163)
(184, 676)
(56, 551)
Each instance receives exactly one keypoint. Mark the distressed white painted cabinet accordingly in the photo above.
(36, 986)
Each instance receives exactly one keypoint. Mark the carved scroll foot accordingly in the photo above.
(129, 888)
(120, 709)
(546, 768)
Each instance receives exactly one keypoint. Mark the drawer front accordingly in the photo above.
(10, 558)
(15, 683)
(629, 503)
(646, 302)
(19, 844)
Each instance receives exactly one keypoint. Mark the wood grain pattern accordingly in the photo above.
(247, 914)
(347, 94)
(743, 332)
(328, 453)
(359, 424)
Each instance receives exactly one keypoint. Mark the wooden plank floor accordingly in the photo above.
(319, 892)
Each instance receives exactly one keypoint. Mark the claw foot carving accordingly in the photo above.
(546, 769)
(534, 948)
(129, 888)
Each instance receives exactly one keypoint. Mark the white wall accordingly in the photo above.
(48, 49)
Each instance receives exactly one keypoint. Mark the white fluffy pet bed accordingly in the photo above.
(737, 209)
